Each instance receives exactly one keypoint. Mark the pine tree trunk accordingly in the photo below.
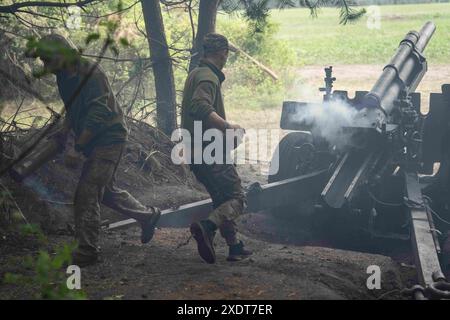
(162, 66)
(206, 24)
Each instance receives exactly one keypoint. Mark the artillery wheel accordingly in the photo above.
(293, 152)
(296, 156)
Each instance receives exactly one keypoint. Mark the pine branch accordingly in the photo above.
(349, 14)
(282, 4)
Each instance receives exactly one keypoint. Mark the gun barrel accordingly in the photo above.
(404, 71)
(426, 33)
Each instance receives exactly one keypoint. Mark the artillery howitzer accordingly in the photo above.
(374, 181)
(370, 181)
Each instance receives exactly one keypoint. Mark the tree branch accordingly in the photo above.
(48, 128)
(16, 6)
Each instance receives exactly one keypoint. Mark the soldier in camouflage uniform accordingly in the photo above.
(202, 101)
(97, 121)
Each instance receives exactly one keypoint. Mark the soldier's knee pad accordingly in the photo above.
(232, 207)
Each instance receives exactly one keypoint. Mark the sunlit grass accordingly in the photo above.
(323, 40)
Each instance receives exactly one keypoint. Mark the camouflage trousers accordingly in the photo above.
(224, 186)
(97, 185)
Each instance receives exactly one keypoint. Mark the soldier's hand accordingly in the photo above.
(237, 127)
(239, 134)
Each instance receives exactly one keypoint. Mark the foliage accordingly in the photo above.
(29, 229)
(347, 13)
(291, 34)
(257, 11)
(132, 81)
(44, 272)
(247, 85)
(96, 29)
(47, 274)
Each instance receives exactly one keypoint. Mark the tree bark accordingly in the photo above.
(161, 65)
(206, 23)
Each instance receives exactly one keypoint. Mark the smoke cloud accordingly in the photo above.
(328, 120)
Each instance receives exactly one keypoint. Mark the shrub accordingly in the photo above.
(249, 86)
(47, 275)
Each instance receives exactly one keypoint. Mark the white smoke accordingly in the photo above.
(328, 120)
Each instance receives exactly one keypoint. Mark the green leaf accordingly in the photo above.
(120, 6)
(91, 37)
(124, 42)
(11, 278)
(39, 73)
(111, 26)
(350, 15)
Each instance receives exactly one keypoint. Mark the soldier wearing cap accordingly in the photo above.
(97, 121)
(202, 101)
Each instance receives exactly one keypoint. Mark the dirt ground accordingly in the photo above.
(130, 270)
(168, 268)
(283, 266)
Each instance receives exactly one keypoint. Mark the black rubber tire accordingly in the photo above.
(287, 155)
(288, 168)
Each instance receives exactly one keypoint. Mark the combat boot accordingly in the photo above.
(237, 252)
(148, 225)
(204, 232)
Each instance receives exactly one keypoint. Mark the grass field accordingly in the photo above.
(323, 40)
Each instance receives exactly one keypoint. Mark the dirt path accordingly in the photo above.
(129, 270)
(160, 271)
(166, 269)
